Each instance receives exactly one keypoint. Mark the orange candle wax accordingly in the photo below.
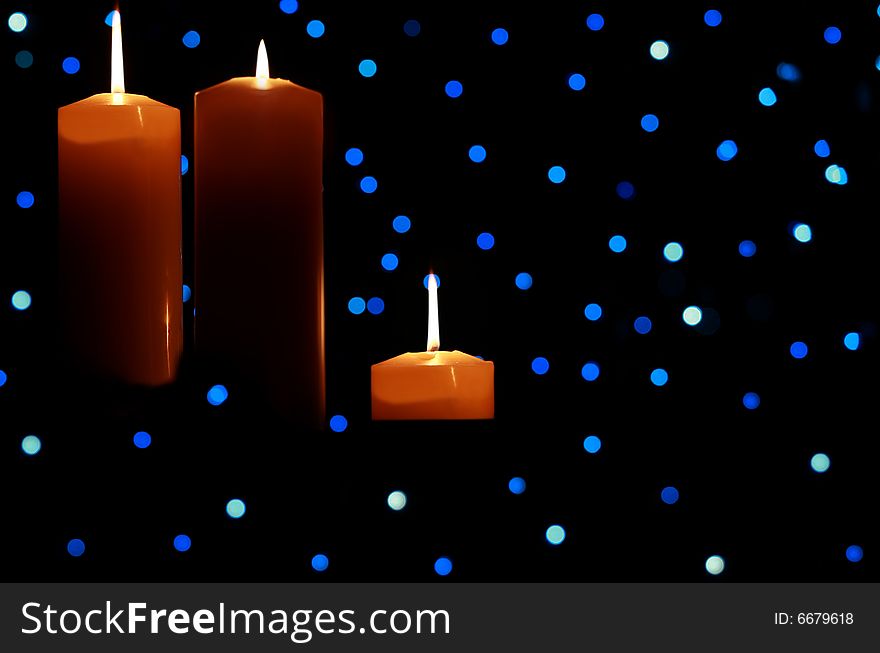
(433, 384)
(259, 284)
(120, 232)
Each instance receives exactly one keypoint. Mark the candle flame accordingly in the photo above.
(433, 318)
(262, 65)
(117, 73)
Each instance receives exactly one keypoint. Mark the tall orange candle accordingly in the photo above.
(433, 384)
(259, 284)
(120, 231)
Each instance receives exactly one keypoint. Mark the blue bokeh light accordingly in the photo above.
(367, 68)
(184, 164)
(217, 395)
(517, 485)
(24, 59)
(659, 377)
(836, 174)
(577, 82)
(712, 18)
(642, 325)
(182, 543)
(617, 244)
(315, 29)
(369, 184)
(650, 122)
(500, 36)
(21, 300)
(108, 19)
(338, 423)
(555, 534)
(556, 174)
(485, 241)
(70, 65)
(390, 261)
(186, 293)
(820, 463)
(673, 252)
(477, 153)
(17, 22)
(788, 72)
(726, 150)
(590, 371)
(767, 97)
(854, 553)
(354, 156)
(443, 566)
(454, 88)
(76, 547)
(625, 190)
(25, 199)
(592, 444)
(592, 312)
(288, 6)
(595, 22)
(798, 349)
(412, 27)
(401, 224)
(669, 495)
(751, 400)
(31, 445)
(320, 562)
(832, 35)
(802, 232)
(851, 341)
(3, 378)
(192, 39)
(356, 305)
(747, 248)
(375, 305)
(540, 365)
(822, 148)
(236, 508)
(523, 281)
(142, 439)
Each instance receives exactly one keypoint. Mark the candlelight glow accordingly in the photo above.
(262, 65)
(117, 73)
(433, 318)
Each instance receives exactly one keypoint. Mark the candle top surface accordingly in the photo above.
(257, 85)
(118, 100)
(435, 358)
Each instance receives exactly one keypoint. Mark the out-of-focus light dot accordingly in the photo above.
(375, 305)
(673, 252)
(354, 156)
(500, 36)
(182, 543)
(187, 293)
(21, 300)
(192, 39)
(593, 312)
(454, 88)
(659, 50)
(338, 423)
(555, 535)
(876, 63)
(767, 97)
(217, 395)
(76, 547)
(315, 29)
(712, 18)
(142, 439)
(443, 566)
(650, 122)
(397, 500)
(798, 349)
(523, 281)
(236, 508)
(3, 378)
(851, 341)
(477, 153)
(802, 232)
(556, 174)
(692, 315)
(70, 65)
(747, 248)
(751, 400)
(184, 164)
(367, 68)
(592, 444)
(577, 82)
(714, 565)
(320, 562)
(485, 240)
(24, 59)
(617, 244)
(390, 261)
(669, 495)
(821, 148)
(412, 27)
(401, 224)
(832, 35)
(595, 22)
(659, 377)
(590, 371)
(854, 553)
(642, 325)
(820, 463)
(31, 445)
(540, 365)
(517, 485)
(108, 19)
(625, 190)
(788, 72)
(25, 199)
(289, 6)
(428, 276)
(726, 150)
(836, 174)
(17, 22)
(369, 184)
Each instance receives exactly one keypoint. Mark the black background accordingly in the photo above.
(747, 490)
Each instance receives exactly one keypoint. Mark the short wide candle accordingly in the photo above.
(433, 384)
